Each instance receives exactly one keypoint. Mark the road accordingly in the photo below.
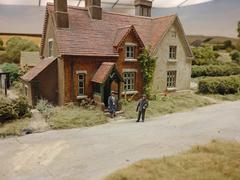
(93, 153)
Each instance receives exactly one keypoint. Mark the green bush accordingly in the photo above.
(13, 109)
(220, 85)
(204, 55)
(236, 57)
(216, 70)
(13, 69)
(45, 108)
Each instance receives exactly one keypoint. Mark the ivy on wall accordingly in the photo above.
(148, 64)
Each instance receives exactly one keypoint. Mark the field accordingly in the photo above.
(35, 39)
(212, 39)
(219, 160)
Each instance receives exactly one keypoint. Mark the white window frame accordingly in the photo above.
(50, 50)
(171, 79)
(130, 54)
(173, 52)
(83, 81)
(129, 81)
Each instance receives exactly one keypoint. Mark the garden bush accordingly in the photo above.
(236, 57)
(12, 69)
(45, 108)
(220, 85)
(205, 55)
(216, 70)
(13, 109)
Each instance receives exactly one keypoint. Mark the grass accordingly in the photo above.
(75, 117)
(14, 127)
(219, 160)
(226, 97)
(174, 102)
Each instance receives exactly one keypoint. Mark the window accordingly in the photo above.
(81, 84)
(145, 11)
(129, 81)
(173, 34)
(171, 79)
(50, 48)
(129, 52)
(172, 52)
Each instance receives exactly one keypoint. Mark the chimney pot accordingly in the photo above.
(94, 8)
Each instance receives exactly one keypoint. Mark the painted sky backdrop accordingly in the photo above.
(216, 17)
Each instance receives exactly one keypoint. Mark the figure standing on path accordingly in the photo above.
(141, 108)
(112, 106)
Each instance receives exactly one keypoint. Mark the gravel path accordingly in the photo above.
(92, 153)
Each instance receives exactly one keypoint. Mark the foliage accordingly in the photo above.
(148, 64)
(13, 109)
(45, 108)
(13, 69)
(14, 127)
(236, 57)
(74, 117)
(228, 44)
(173, 102)
(218, 160)
(238, 29)
(215, 70)
(16, 44)
(204, 55)
(220, 85)
(1, 42)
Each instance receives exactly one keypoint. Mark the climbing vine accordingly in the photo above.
(148, 64)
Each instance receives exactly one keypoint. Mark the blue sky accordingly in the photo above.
(216, 17)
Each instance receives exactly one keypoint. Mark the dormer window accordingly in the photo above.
(130, 51)
(50, 47)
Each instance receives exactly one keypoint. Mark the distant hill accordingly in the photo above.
(211, 39)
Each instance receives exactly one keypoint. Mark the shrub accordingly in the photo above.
(215, 70)
(13, 109)
(236, 57)
(13, 69)
(220, 85)
(45, 108)
(204, 56)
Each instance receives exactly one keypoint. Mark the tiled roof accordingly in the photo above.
(29, 58)
(32, 73)
(103, 71)
(97, 37)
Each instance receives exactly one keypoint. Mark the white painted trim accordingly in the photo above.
(129, 92)
(130, 70)
(130, 44)
(82, 97)
(131, 60)
(172, 60)
(172, 89)
(81, 72)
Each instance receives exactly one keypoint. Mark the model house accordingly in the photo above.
(87, 52)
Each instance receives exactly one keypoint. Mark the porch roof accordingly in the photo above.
(103, 72)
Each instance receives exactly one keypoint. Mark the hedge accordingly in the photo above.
(216, 70)
(13, 109)
(220, 85)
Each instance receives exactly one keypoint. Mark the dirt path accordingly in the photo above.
(92, 153)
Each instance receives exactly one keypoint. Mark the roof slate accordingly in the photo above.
(97, 37)
(103, 71)
(35, 71)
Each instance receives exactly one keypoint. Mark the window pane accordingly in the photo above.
(171, 79)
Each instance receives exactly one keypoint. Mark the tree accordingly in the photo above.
(148, 64)
(238, 29)
(12, 69)
(204, 55)
(16, 44)
(236, 57)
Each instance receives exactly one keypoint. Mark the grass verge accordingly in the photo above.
(14, 127)
(219, 160)
(74, 117)
(174, 102)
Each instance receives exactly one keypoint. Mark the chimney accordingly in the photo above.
(143, 8)
(94, 8)
(61, 13)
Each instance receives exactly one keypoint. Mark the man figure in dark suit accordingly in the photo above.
(112, 106)
(141, 108)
